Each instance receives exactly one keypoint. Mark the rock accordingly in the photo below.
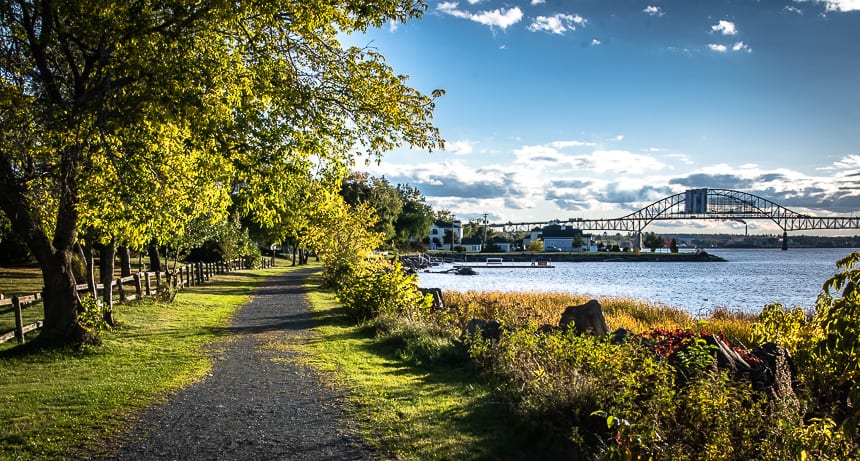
(619, 336)
(438, 303)
(777, 366)
(547, 329)
(491, 330)
(587, 319)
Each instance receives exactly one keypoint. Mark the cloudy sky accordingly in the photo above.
(596, 108)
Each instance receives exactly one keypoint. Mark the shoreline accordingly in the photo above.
(523, 257)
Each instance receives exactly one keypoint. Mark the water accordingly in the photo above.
(748, 281)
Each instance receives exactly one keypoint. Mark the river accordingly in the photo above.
(747, 281)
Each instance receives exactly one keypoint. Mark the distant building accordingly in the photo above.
(503, 244)
(562, 237)
(471, 244)
(534, 235)
(442, 228)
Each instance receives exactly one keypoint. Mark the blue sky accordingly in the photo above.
(596, 108)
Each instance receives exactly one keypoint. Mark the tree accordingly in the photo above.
(360, 188)
(578, 240)
(133, 117)
(535, 245)
(652, 241)
(673, 246)
(416, 217)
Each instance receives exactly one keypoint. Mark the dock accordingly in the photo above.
(507, 265)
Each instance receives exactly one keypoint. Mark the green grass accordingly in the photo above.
(66, 403)
(407, 411)
(20, 281)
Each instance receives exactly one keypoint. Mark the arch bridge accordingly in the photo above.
(710, 204)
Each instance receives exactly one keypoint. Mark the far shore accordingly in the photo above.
(583, 257)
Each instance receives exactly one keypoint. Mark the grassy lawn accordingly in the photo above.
(407, 411)
(66, 403)
(20, 281)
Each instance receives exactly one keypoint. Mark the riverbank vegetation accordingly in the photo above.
(659, 392)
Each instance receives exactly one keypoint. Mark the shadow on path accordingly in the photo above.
(252, 406)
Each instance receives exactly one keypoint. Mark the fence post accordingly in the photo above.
(137, 286)
(19, 320)
(158, 279)
(148, 284)
(121, 290)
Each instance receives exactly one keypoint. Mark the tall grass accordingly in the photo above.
(636, 316)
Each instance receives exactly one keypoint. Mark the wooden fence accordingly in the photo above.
(127, 289)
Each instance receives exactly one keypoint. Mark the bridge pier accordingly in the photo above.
(784, 240)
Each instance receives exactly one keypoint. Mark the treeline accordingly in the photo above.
(773, 241)
(157, 125)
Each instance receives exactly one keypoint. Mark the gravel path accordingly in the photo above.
(250, 406)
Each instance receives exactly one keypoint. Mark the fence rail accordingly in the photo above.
(127, 289)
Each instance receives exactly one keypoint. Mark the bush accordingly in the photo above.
(374, 286)
(91, 320)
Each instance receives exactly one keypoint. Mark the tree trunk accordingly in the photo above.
(124, 261)
(106, 267)
(60, 300)
(154, 257)
(54, 254)
(295, 250)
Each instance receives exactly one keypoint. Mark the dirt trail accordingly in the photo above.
(252, 406)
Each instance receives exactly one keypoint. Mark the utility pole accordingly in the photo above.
(485, 230)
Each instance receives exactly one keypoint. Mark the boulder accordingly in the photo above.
(586, 318)
(491, 330)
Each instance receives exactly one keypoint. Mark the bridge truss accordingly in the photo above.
(709, 204)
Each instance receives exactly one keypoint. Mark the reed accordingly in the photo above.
(515, 309)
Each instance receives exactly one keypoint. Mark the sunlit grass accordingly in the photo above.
(636, 316)
(61, 404)
(407, 411)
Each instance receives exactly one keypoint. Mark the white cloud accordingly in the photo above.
(459, 147)
(741, 46)
(528, 155)
(599, 161)
(725, 27)
(566, 144)
(653, 10)
(620, 137)
(541, 182)
(595, 42)
(792, 9)
(501, 17)
(717, 47)
(538, 2)
(840, 5)
(848, 162)
(620, 161)
(674, 157)
(558, 23)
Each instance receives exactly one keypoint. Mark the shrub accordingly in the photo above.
(91, 320)
(376, 285)
(839, 320)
